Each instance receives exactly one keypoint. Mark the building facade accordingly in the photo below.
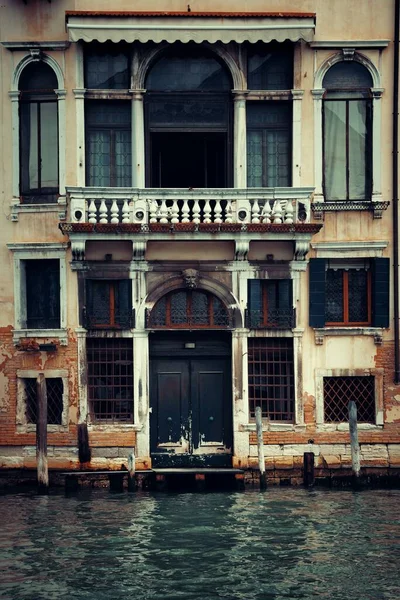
(200, 218)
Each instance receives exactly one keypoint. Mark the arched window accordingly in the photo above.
(189, 308)
(188, 120)
(347, 132)
(39, 179)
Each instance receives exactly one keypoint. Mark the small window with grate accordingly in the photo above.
(110, 379)
(55, 392)
(339, 391)
(271, 378)
(108, 304)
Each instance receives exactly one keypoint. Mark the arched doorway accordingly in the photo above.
(190, 381)
(188, 120)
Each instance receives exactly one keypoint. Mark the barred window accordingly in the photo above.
(189, 309)
(55, 390)
(348, 296)
(271, 377)
(108, 304)
(110, 379)
(339, 391)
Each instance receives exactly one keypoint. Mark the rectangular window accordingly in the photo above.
(339, 391)
(108, 304)
(108, 144)
(349, 292)
(347, 134)
(348, 296)
(270, 304)
(110, 379)
(42, 282)
(270, 66)
(271, 377)
(55, 391)
(269, 126)
(39, 151)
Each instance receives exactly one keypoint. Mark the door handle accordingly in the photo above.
(211, 418)
(169, 419)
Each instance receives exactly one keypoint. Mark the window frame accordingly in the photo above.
(259, 287)
(112, 284)
(345, 304)
(22, 424)
(22, 253)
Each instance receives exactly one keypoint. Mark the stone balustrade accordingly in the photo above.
(171, 206)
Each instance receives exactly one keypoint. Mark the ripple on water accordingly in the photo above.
(282, 544)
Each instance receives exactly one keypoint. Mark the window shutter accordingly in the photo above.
(380, 291)
(317, 292)
(88, 308)
(285, 294)
(124, 304)
(254, 302)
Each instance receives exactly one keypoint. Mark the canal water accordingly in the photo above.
(285, 543)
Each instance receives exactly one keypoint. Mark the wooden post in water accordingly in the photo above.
(41, 435)
(84, 451)
(131, 472)
(308, 468)
(355, 447)
(260, 446)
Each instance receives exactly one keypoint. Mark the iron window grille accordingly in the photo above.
(270, 304)
(339, 391)
(108, 304)
(110, 379)
(271, 378)
(55, 390)
(184, 309)
(348, 297)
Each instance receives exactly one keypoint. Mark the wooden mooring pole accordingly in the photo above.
(41, 436)
(355, 447)
(308, 468)
(260, 446)
(131, 472)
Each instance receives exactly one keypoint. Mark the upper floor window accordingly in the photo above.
(270, 66)
(270, 304)
(107, 66)
(347, 132)
(108, 304)
(38, 134)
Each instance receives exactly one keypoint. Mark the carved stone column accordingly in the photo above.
(239, 139)
(138, 156)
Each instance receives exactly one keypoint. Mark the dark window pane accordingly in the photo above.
(179, 308)
(268, 144)
(334, 296)
(48, 145)
(200, 314)
(270, 67)
(107, 67)
(186, 73)
(38, 76)
(358, 296)
(174, 111)
(349, 75)
(42, 294)
(55, 389)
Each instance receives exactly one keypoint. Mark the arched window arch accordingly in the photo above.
(38, 127)
(347, 132)
(188, 114)
(194, 309)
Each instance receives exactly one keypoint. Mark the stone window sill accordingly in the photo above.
(274, 427)
(40, 335)
(321, 332)
(329, 427)
(59, 207)
(113, 427)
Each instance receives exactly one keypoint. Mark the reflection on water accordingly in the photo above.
(281, 544)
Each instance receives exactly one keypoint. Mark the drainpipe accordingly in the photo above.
(395, 175)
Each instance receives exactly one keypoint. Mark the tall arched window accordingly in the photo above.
(347, 132)
(188, 120)
(39, 178)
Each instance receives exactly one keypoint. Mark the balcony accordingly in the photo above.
(194, 213)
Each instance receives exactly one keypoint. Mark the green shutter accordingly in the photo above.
(317, 292)
(124, 303)
(254, 302)
(380, 291)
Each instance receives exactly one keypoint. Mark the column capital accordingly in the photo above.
(297, 94)
(61, 94)
(137, 94)
(318, 93)
(239, 95)
(14, 95)
(79, 93)
(377, 93)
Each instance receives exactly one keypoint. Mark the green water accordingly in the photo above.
(281, 544)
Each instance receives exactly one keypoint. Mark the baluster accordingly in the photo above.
(92, 212)
(228, 212)
(185, 212)
(175, 212)
(255, 212)
(277, 212)
(163, 212)
(288, 212)
(153, 211)
(266, 212)
(125, 212)
(218, 211)
(114, 212)
(207, 212)
(103, 212)
(196, 212)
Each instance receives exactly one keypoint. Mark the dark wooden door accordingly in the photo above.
(191, 419)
